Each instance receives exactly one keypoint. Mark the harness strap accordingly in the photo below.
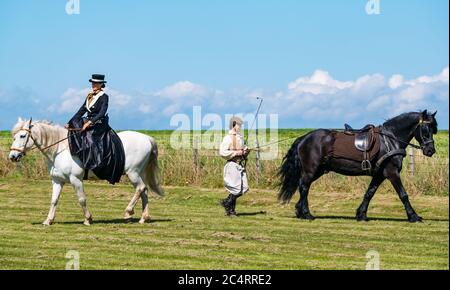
(398, 140)
(388, 155)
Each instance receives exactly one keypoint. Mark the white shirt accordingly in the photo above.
(94, 100)
(226, 150)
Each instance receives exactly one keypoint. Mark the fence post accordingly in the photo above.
(411, 161)
(258, 157)
(196, 157)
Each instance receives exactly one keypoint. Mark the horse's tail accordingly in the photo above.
(153, 175)
(289, 173)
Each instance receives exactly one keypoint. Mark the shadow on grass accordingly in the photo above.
(252, 213)
(405, 220)
(112, 221)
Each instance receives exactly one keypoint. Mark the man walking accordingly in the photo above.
(235, 177)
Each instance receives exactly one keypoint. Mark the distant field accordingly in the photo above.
(189, 231)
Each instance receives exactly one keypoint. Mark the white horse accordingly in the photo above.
(141, 164)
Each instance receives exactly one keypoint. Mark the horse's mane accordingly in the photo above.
(400, 118)
(405, 118)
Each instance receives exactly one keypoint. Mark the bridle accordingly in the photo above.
(23, 151)
(422, 141)
(29, 136)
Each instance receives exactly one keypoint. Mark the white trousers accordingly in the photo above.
(235, 178)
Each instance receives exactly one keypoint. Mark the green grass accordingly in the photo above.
(189, 231)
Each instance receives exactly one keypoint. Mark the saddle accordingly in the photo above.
(366, 128)
(363, 137)
(358, 145)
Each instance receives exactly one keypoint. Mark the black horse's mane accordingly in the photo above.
(408, 117)
(401, 118)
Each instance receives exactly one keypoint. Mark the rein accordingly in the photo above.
(400, 141)
(269, 144)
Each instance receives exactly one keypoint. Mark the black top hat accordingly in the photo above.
(98, 79)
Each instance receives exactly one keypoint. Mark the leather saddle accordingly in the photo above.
(364, 140)
(349, 129)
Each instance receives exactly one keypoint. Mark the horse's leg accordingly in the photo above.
(361, 213)
(398, 185)
(57, 187)
(145, 210)
(302, 207)
(78, 186)
(141, 189)
(129, 211)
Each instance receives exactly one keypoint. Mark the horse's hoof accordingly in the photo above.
(362, 218)
(308, 217)
(47, 222)
(143, 220)
(415, 219)
(128, 214)
(88, 222)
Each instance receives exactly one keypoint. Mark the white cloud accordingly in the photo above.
(319, 83)
(182, 90)
(378, 103)
(145, 108)
(73, 98)
(320, 98)
(185, 94)
(368, 85)
(442, 77)
(396, 81)
(117, 98)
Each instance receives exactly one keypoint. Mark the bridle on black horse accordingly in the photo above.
(423, 142)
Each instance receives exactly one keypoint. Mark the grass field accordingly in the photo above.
(189, 231)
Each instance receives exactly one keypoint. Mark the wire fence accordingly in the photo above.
(164, 151)
(203, 167)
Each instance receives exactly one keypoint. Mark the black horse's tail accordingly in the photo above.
(289, 173)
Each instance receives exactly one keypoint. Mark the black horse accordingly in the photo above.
(308, 159)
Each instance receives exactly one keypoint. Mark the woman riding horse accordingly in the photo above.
(92, 139)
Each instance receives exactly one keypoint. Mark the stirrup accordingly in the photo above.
(366, 165)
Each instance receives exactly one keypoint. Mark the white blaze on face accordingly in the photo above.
(20, 142)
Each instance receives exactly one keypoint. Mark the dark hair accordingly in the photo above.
(103, 86)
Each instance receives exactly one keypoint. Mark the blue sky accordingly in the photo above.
(317, 63)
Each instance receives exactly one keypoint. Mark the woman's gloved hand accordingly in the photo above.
(86, 125)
